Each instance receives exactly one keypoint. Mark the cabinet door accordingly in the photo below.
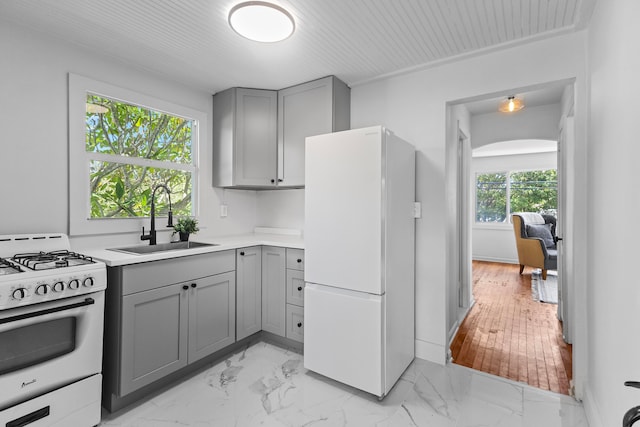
(212, 314)
(249, 291)
(273, 290)
(303, 110)
(256, 137)
(154, 336)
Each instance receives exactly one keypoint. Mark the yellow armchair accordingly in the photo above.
(535, 248)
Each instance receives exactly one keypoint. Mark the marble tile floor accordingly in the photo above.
(265, 385)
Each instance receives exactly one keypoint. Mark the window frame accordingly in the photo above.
(80, 221)
(507, 222)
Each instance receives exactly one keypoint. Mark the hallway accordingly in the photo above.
(508, 334)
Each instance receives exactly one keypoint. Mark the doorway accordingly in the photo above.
(465, 220)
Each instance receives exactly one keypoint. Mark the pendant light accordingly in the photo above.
(511, 105)
(261, 21)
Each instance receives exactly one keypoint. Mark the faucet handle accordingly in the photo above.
(145, 236)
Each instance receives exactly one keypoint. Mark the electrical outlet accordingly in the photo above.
(223, 211)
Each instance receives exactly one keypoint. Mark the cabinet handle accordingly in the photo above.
(242, 253)
(273, 181)
(299, 324)
(193, 285)
(185, 287)
(279, 180)
(299, 288)
(299, 260)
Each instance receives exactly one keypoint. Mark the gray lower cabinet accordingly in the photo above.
(154, 341)
(170, 327)
(212, 315)
(295, 294)
(249, 291)
(161, 316)
(273, 290)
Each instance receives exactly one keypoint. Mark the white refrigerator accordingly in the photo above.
(359, 257)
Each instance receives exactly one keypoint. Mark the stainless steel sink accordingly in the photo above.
(162, 247)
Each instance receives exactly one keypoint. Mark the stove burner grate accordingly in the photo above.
(7, 268)
(51, 260)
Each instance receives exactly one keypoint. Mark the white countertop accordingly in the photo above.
(115, 258)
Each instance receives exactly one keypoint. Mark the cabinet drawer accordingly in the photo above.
(156, 274)
(295, 322)
(295, 259)
(295, 287)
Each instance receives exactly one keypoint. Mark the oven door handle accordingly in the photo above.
(87, 301)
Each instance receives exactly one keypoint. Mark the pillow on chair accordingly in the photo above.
(542, 231)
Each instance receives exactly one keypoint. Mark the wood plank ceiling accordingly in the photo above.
(357, 40)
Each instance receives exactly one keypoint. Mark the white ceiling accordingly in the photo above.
(356, 40)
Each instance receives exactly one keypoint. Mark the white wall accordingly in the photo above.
(33, 119)
(414, 106)
(531, 123)
(613, 285)
(496, 242)
(280, 209)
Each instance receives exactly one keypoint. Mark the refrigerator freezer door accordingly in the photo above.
(343, 210)
(343, 336)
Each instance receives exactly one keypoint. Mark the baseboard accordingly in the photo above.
(591, 409)
(432, 352)
(493, 259)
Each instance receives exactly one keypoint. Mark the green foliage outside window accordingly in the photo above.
(133, 149)
(491, 197)
(528, 191)
(534, 191)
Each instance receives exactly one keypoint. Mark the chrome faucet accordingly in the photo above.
(151, 237)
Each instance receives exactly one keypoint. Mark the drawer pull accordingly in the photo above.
(242, 253)
(299, 260)
(193, 285)
(185, 287)
(299, 288)
(299, 324)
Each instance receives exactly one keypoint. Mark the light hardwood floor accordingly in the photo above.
(508, 334)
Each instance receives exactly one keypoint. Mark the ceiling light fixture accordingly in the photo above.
(511, 105)
(261, 21)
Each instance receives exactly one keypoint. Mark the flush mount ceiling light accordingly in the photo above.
(261, 21)
(511, 105)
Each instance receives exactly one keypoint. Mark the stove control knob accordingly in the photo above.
(88, 282)
(19, 293)
(58, 287)
(74, 284)
(42, 289)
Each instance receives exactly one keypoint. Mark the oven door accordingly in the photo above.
(49, 345)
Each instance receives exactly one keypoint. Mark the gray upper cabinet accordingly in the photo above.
(249, 291)
(314, 108)
(258, 135)
(245, 138)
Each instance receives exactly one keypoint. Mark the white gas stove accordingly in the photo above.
(51, 327)
(36, 268)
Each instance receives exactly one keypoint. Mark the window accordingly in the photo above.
(122, 144)
(498, 194)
